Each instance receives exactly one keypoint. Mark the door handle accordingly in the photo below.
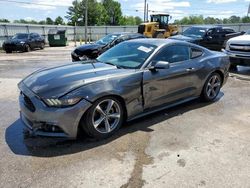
(190, 69)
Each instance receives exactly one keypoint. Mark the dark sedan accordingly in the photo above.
(133, 79)
(24, 42)
(211, 37)
(93, 50)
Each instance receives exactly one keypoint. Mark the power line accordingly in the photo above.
(30, 3)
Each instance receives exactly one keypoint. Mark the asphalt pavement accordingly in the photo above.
(192, 145)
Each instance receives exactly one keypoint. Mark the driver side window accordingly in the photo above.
(173, 54)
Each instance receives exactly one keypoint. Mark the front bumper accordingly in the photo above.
(13, 47)
(50, 121)
(238, 58)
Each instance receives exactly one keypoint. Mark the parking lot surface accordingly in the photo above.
(192, 145)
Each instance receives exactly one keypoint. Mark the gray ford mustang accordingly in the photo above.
(131, 80)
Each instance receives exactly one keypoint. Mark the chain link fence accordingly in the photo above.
(7, 30)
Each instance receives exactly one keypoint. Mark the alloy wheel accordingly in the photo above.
(106, 116)
(213, 86)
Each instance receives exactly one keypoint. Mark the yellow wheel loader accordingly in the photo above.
(158, 27)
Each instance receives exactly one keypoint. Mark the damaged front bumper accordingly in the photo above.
(41, 120)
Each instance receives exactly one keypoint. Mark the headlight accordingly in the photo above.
(62, 102)
(22, 42)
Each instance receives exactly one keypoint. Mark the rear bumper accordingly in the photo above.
(50, 121)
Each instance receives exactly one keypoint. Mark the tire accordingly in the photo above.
(233, 67)
(158, 34)
(42, 46)
(27, 48)
(8, 51)
(99, 122)
(212, 87)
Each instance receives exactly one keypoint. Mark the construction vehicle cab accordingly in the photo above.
(158, 27)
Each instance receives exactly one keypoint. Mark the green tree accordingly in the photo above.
(3, 20)
(138, 20)
(42, 22)
(59, 21)
(234, 19)
(245, 19)
(114, 12)
(49, 21)
(97, 15)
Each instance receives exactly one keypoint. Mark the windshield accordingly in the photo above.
(20, 36)
(194, 31)
(128, 55)
(248, 32)
(107, 39)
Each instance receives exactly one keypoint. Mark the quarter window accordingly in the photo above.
(195, 53)
(173, 54)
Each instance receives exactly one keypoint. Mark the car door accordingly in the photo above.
(213, 39)
(32, 40)
(169, 85)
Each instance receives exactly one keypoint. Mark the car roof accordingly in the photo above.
(158, 42)
(211, 26)
(125, 33)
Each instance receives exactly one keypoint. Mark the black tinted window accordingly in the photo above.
(173, 54)
(196, 53)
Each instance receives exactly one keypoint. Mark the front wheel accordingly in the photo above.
(233, 67)
(27, 48)
(42, 46)
(212, 87)
(104, 118)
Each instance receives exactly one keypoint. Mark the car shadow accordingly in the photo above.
(52, 147)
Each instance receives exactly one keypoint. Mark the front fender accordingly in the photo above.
(127, 87)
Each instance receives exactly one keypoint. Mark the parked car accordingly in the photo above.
(24, 42)
(238, 48)
(133, 79)
(211, 37)
(93, 50)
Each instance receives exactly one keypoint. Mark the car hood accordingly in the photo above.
(186, 38)
(243, 39)
(88, 47)
(58, 81)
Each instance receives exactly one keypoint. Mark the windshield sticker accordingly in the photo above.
(144, 49)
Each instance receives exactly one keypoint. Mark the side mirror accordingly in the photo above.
(159, 65)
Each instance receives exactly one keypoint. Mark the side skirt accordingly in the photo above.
(147, 112)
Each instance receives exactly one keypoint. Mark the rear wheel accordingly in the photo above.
(104, 118)
(212, 87)
(8, 51)
(42, 46)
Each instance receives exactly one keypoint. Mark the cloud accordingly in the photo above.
(162, 6)
(47, 4)
(220, 1)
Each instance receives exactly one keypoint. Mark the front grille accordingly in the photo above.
(240, 47)
(28, 103)
(141, 29)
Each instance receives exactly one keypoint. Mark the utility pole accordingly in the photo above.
(145, 4)
(147, 13)
(248, 11)
(86, 21)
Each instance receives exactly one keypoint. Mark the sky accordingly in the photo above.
(12, 10)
